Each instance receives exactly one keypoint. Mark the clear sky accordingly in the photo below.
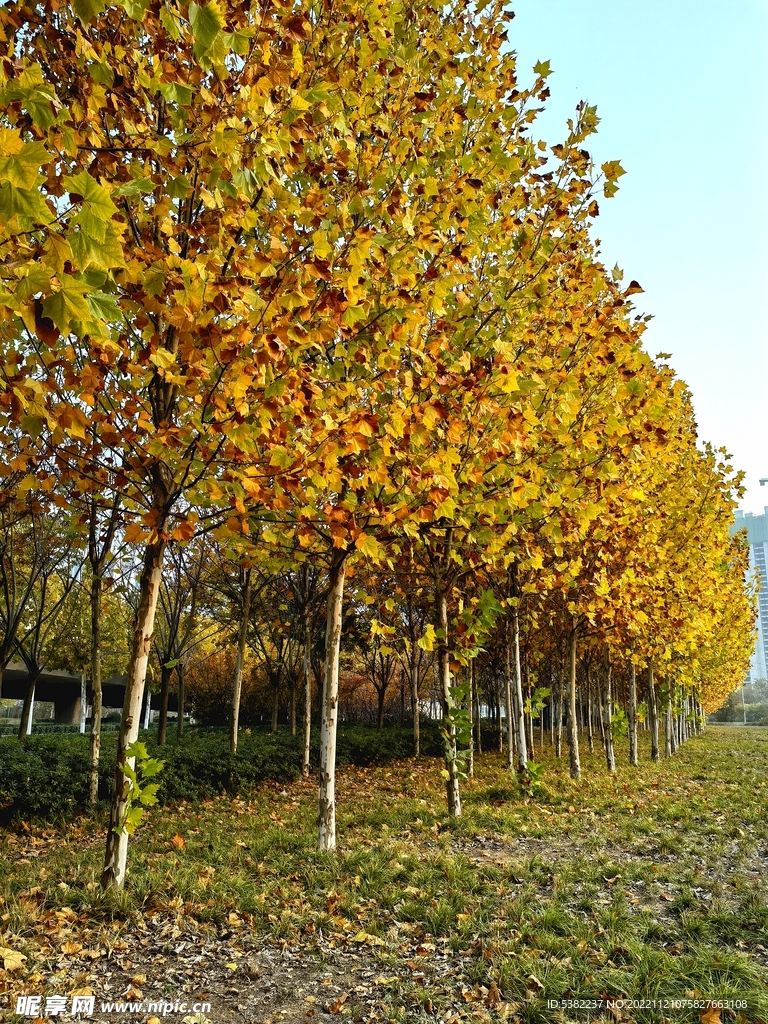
(681, 87)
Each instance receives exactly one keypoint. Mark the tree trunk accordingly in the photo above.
(380, 695)
(529, 725)
(552, 690)
(669, 726)
(116, 855)
(590, 712)
(653, 714)
(560, 713)
(414, 674)
(573, 731)
(307, 735)
(478, 721)
(518, 704)
(601, 709)
(497, 707)
(610, 756)
(237, 684)
(293, 705)
(98, 698)
(444, 674)
(471, 710)
(147, 715)
(25, 725)
(686, 719)
(668, 729)
(275, 707)
(182, 697)
(326, 805)
(515, 723)
(162, 722)
(508, 698)
(633, 758)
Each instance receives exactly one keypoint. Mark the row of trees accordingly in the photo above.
(388, 634)
(297, 278)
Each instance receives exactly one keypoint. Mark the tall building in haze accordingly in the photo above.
(757, 532)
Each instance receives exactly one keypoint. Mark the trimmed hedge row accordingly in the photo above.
(47, 776)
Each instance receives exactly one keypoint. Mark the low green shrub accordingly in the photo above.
(200, 765)
(47, 775)
(364, 745)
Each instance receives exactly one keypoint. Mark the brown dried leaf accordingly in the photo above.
(336, 1005)
(494, 996)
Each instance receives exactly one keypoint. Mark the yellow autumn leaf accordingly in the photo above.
(12, 960)
(368, 939)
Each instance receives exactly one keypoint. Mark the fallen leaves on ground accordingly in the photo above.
(228, 901)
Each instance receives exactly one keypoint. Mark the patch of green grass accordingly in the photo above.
(641, 885)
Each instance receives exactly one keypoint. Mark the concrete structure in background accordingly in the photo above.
(70, 694)
(757, 532)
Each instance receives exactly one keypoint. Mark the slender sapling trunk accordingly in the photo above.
(237, 684)
(653, 714)
(116, 855)
(326, 804)
(633, 758)
(573, 732)
(306, 667)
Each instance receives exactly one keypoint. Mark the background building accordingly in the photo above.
(757, 531)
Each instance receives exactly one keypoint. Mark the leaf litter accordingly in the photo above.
(325, 941)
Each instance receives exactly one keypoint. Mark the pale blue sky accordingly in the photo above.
(681, 87)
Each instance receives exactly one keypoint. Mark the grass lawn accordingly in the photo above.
(648, 887)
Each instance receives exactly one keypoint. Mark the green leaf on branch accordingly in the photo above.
(21, 167)
(132, 819)
(28, 205)
(103, 306)
(95, 254)
(68, 305)
(135, 9)
(139, 794)
(84, 188)
(176, 92)
(136, 187)
(87, 9)
(531, 780)
(207, 23)
(619, 722)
